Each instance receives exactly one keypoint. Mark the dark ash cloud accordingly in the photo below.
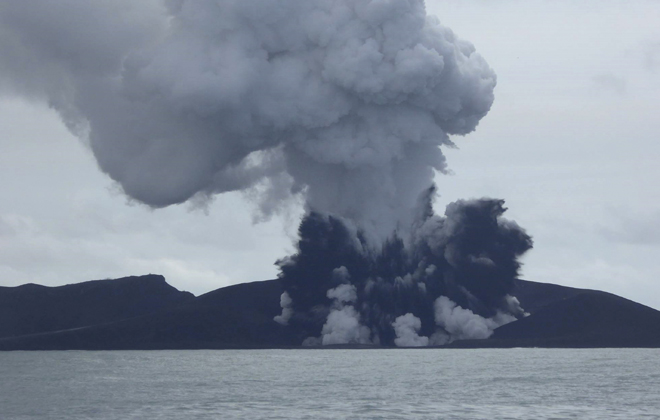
(450, 280)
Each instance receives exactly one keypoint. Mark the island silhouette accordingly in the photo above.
(146, 313)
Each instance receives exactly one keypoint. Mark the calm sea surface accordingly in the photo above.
(332, 384)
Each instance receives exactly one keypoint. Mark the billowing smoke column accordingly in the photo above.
(342, 102)
(345, 101)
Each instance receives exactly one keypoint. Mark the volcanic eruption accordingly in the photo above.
(449, 279)
(343, 103)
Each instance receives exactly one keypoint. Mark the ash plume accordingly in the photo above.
(343, 103)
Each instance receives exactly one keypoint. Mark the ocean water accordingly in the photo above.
(332, 384)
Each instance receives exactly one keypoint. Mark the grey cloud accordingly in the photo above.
(652, 56)
(345, 102)
(634, 229)
(610, 82)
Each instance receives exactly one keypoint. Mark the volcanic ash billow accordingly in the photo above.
(344, 103)
(449, 280)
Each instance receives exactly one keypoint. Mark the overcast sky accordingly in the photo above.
(571, 144)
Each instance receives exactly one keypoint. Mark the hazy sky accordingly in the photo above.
(571, 144)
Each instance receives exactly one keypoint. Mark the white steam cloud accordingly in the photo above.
(406, 328)
(342, 326)
(287, 310)
(462, 324)
(345, 101)
(344, 293)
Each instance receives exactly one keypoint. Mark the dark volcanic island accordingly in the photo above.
(146, 313)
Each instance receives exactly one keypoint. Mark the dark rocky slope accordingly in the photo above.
(534, 296)
(31, 308)
(239, 316)
(568, 317)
